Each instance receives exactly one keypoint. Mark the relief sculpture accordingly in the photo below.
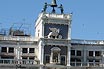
(54, 33)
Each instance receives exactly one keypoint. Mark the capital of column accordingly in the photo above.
(102, 53)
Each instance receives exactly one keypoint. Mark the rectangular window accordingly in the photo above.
(24, 50)
(90, 53)
(4, 49)
(47, 59)
(7, 57)
(31, 58)
(24, 57)
(91, 60)
(73, 52)
(78, 53)
(31, 50)
(72, 59)
(78, 60)
(97, 53)
(11, 50)
(97, 60)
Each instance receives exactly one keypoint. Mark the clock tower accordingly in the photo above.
(53, 31)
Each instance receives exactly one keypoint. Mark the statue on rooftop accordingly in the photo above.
(45, 7)
(61, 8)
(53, 5)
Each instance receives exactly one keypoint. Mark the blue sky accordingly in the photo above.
(87, 20)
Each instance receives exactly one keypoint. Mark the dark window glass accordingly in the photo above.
(78, 53)
(47, 59)
(97, 60)
(31, 58)
(90, 53)
(73, 52)
(24, 50)
(97, 53)
(11, 50)
(4, 49)
(31, 50)
(90, 60)
(72, 59)
(78, 60)
(62, 58)
(24, 57)
(7, 57)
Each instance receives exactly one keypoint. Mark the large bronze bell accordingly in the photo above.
(54, 4)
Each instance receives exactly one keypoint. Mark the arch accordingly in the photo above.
(55, 55)
(55, 49)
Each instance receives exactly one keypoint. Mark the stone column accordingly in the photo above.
(102, 61)
(19, 50)
(41, 52)
(93, 53)
(85, 57)
(69, 31)
(59, 57)
(42, 55)
(51, 61)
(68, 55)
(7, 49)
(28, 50)
(43, 29)
(18, 54)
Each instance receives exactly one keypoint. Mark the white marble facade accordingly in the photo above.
(52, 44)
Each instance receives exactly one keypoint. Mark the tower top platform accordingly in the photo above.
(59, 18)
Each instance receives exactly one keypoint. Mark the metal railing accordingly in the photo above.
(17, 38)
(79, 41)
(20, 61)
(31, 62)
(87, 64)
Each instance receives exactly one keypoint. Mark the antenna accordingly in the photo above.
(20, 26)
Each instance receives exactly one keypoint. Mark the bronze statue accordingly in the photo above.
(45, 7)
(53, 5)
(61, 8)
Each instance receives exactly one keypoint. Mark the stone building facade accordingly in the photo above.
(52, 43)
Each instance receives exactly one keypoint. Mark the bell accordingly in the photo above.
(54, 4)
